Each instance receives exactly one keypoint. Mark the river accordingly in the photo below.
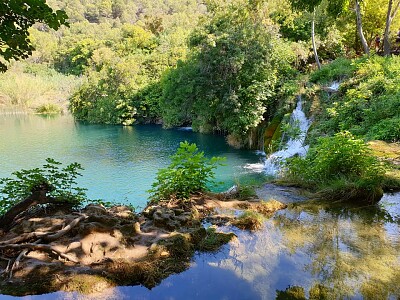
(312, 251)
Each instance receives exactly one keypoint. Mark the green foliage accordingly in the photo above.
(337, 70)
(231, 79)
(338, 160)
(189, 172)
(368, 103)
(48, 109)
(61, 180)
(16, 18)
(29, 86)
(386, 130)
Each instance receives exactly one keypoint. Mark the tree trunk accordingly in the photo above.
(359, 27)
(38, 196)
(313, 41)
(389, 18)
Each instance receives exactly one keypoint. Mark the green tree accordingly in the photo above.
(228, 82)
(16, 17)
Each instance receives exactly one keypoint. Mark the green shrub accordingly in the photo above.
(48, 108)
(341, 160)
(335, 71)
(386, 130)
(189, 172)
(61, 180)
(368, 102)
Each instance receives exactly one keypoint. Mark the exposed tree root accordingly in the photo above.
(39, 247)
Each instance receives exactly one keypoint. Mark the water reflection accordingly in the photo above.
(352, 251)
(309, 251)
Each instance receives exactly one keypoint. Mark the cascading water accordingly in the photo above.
(294, 146)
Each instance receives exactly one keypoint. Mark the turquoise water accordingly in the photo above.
(120, 162)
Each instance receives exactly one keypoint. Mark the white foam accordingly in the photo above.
(295, 146)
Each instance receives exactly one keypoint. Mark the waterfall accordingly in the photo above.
(294, 146)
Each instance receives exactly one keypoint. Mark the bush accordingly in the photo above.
(335, 71)
(61, 180)
(368, 102)
(48, 109)
(386, 130)
(341, 161)
(189, 172)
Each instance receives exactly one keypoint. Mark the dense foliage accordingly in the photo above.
(368, 101)
(227, 84)
(189, 172)
(341, 167)
(61, 180)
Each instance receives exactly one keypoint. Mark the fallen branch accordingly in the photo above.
(15, 265)
(39, 247)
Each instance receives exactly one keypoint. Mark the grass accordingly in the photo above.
(249, 220)
(40, 90)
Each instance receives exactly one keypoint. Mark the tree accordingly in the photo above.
(391, 13)
(360, 31)
(309, 6)
(16, 17)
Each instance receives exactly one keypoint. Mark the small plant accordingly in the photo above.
(61, 180)
(189, 172)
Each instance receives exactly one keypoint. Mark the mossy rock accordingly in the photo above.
(272, 133)
(249, 220)
(214, 240)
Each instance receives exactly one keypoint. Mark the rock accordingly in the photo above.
(95, 209)
(231, 192)
(164, 254)
(122, 211)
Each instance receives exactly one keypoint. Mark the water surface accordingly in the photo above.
(120, 162)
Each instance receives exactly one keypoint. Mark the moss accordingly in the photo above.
(179, 245)
(267, 208)
(345, 191)
(249, 220)
(214, 240)
(86, 284)
(385, 150)
(391, 181)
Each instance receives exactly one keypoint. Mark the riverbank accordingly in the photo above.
(98, 248)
